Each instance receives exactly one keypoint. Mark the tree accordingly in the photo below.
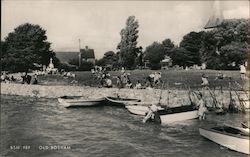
(231, 55)
(226, 45)
(192, 43)
(109, 58)
(179, 56)
(128, 44)
(168, 46)
(25, 46)
(139, 59)
(74, 61)
(155, 53)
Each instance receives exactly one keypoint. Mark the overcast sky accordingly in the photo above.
(98, 23)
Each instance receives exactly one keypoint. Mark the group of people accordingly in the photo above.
(124, 81)
(28, 79)
(6, 78)
(24, 78)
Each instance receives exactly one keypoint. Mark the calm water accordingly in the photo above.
(35, 124)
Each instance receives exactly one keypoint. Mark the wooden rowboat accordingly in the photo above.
(79, 101)
(234, 138)
(118, 101)
(139, 108)
(176, 114)
(166, 115)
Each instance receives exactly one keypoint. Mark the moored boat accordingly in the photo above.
(63, 98)
(118, 101)
(230, 137)
(79, 101)
(139, 108)
(176, 114)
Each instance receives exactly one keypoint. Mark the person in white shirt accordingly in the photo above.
(138, 85)
(202, 108)
(243, 72)
(151, 113)
(204, 80)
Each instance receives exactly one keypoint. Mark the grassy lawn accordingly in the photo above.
(178, 79)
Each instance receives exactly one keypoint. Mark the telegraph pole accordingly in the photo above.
(80, 55)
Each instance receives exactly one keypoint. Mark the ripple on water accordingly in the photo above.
(101, 131)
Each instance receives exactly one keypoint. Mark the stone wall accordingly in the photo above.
(168, 97)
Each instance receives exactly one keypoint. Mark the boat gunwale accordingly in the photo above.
(191, 109)
(226, 133)
(124, 100)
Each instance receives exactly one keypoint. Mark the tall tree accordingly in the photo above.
(128, 44)
(192, 43)
(227, 44)
(168, 46)
(180, 56)
(25, 46)
(154, 53)
(109, 58)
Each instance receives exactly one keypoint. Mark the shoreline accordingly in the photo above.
(168, 97)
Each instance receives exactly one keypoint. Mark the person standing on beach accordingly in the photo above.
(243, 72)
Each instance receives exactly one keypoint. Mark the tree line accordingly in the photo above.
(224, 47)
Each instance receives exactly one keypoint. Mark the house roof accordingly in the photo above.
(65, 57)
(87, 53)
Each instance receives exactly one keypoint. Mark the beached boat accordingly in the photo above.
(234, 138)
(79, 101)
(176, 114)
(118, 101)
(166, 115)
(139, 108)
(64, 98)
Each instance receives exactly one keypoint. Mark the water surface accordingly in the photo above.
(40, 123)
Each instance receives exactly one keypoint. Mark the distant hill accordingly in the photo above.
(65, 57)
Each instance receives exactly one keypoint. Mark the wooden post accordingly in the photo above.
(80, 55)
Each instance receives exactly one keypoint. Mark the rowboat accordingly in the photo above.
(118, 101)
(79, 101)
(234, 138)
(63, 98)
(139, 108)
(176, 114)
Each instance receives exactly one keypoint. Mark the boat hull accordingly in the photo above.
(138, 110)
(176, 117)
(119, 101)
(234, 143)
(80, 102)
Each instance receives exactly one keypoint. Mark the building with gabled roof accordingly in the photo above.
(87, 55)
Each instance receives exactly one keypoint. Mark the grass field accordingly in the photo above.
(178, 79)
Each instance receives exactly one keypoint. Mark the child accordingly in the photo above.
(204, 80)
(138, 85)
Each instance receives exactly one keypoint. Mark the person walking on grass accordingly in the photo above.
(243, 71)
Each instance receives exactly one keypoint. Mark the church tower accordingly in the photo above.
(217, 16)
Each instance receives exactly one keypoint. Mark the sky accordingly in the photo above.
(98, 23)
